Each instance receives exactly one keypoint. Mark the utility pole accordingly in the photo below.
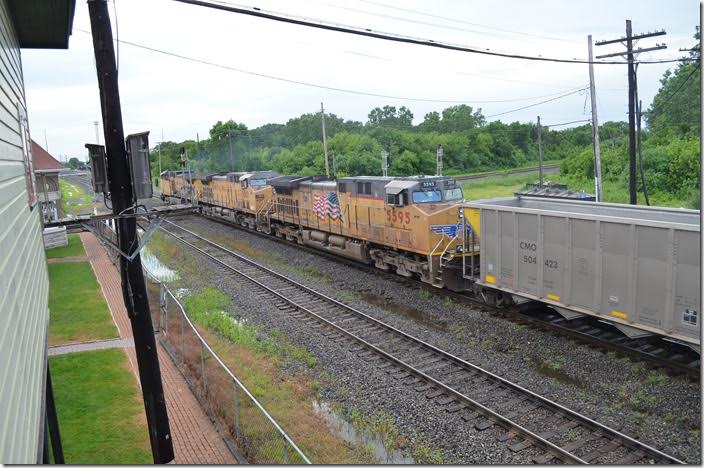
(134, 291)
(540, 153)
(325, 141)
(384, 162)
(232, 162)
(630, 53)
(160, 143)
(595, 125)
(438, 168)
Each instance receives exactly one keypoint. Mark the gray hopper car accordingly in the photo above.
(637, 267)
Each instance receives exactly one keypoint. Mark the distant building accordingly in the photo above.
(24, 279)
(46, 175)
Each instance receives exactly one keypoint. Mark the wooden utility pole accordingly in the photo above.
(325, 141)
(630, 53)
(134, 291)
(595, 125)
(540, 153)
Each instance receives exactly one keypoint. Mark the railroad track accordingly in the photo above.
(588, 330)
(484, 399)
(547, 168)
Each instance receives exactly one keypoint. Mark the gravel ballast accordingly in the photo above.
(646, 404)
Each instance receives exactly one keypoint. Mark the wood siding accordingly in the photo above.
(24, 281)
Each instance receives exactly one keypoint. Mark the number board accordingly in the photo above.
(450, 183)
(428, 184)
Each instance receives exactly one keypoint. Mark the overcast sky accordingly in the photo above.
(182, 98)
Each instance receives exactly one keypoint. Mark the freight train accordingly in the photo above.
(635, 267)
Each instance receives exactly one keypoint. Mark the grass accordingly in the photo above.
(257, 361)
(73, 249)
(74, 200)
(101, 416)
(78, 311)
(614, 192)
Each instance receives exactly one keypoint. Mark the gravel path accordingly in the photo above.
(661, 410)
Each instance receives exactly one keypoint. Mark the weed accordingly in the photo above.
(448, 301)
(612, 354)
(425, 293)
(425, 455)
(657, 378)
(489, 340)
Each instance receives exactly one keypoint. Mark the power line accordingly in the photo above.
(667, 100)
(425, 23)
(330, 88)
(259, 13)
(467, 22)
(536, 104)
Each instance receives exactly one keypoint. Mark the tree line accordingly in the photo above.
(670, 143)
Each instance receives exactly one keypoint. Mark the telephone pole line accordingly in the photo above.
(134, 290)
(540, 153)
(630, 53)
(325, 141)
(595, 126)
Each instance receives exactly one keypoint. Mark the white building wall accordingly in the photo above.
(24, 281)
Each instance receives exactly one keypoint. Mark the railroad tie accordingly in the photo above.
(604, 449)
(631, 458)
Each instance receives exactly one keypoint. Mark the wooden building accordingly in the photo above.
(24, 280)
(46, 176)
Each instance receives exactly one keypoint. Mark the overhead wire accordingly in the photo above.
(314, 85)
(367, 32)
(467, 22)
(537, 103)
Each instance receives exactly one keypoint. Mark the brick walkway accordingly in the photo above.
(91, 346)
(195, 439)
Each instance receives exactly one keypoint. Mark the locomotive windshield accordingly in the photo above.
(257, 182)
(427, 196)
(453, 194)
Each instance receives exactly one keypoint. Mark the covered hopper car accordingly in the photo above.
(636, 267)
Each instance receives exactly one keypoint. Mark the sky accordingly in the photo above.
(270, 72)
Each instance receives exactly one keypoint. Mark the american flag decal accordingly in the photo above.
(328, 204)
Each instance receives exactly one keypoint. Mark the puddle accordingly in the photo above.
(414, 314)
(548, 371)
(157, 269)
(359, 438)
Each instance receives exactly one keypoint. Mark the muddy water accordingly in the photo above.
(557, 374)
(358, 438)
(416, 315)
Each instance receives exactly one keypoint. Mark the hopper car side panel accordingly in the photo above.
(638, 270)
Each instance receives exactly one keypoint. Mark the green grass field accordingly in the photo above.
(74, 200)
(73, 249)
(507, 185)
(101, 416)
(78, 310)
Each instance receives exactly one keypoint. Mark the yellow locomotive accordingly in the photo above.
(406, 224)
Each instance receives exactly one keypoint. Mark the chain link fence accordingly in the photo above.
(248, 427)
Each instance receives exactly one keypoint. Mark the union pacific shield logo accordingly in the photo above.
(450, 230)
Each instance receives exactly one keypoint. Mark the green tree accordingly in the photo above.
(73, 163)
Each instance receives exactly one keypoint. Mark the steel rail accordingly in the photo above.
(510, 314)
(501, 420)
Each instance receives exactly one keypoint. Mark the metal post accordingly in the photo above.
(237, 409)
(285, 450)
(384, 162)
(202, 368)
(631, 117)
(134, 290)
(438, 168)
(595, 125)
(540, 153)
(183, 347)
(232, 161)
(52, 420)
(325, 141)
